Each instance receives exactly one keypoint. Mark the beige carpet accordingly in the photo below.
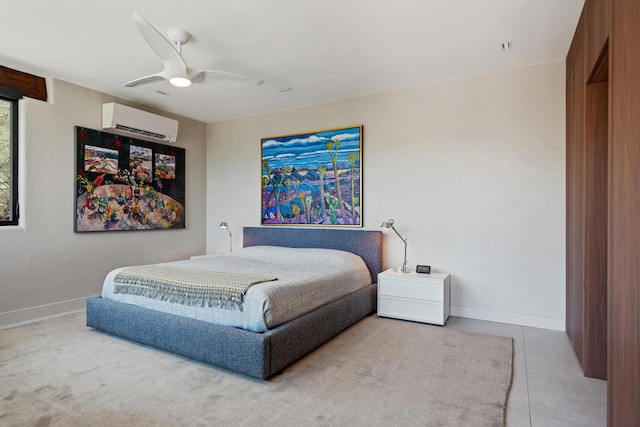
(379, 372)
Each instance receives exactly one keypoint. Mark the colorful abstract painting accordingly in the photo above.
(313, 178)
(120, 187)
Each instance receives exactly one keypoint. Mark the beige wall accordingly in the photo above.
(472, 171)
(45, 268)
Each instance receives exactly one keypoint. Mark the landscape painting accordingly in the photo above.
(313, 178)
(119, 186)
(141, 159)
(165, 166)
(100, 160)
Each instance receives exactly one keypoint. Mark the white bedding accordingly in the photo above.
(307, 279)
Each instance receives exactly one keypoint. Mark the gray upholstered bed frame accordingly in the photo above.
(259, 355)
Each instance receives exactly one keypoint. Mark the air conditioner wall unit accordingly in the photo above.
(139, 123)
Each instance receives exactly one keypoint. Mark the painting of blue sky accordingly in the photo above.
(312, 178)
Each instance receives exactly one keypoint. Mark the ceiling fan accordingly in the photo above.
(175, 68)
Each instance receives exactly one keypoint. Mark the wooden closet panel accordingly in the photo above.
(575, 136)
(577, 43)
(570, 89)
(598, 22)
(595, 229)
(624, 215)
(577, 181)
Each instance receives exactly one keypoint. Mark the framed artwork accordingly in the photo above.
(124, 183)
(313, 178)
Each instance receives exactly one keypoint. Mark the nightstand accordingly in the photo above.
(414, 296)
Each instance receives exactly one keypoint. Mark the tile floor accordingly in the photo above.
(548, 387)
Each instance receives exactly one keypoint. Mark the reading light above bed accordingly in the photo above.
(226, 227)
(389, 225)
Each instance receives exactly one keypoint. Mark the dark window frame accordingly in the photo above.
(12, 96)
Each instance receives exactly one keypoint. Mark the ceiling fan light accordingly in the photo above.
(180, 81)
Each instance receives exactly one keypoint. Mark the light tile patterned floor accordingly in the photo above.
(548, 387)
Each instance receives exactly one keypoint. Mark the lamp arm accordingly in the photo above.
(401, 238)
(404, 264)
(404, 240)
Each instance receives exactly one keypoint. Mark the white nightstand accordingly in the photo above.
(414, 296)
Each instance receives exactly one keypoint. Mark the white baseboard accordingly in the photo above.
(11, 319)
(512, 318)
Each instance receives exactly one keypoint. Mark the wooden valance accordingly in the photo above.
(30, 85)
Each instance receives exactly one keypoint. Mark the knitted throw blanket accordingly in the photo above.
(187, 286)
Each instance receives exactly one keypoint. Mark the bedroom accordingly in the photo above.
(491, 144)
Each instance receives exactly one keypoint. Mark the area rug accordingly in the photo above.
(379, 372)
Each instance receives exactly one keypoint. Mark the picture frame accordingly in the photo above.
(312, 178)
(127, 184)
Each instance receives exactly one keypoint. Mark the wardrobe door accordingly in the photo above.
(623, 376)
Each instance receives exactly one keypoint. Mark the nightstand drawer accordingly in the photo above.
(411, 289)
(419, 311)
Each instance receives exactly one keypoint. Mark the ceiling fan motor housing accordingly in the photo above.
(178, 36)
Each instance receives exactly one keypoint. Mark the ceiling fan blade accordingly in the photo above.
(228, 79)
(175, 69)
(156, 41)
(144, 80)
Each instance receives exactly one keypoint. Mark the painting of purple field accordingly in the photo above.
(313, 178)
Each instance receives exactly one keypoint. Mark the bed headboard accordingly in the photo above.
(365, 243)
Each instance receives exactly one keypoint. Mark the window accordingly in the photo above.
(8, 156)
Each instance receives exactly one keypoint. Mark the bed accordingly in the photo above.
(259, 354)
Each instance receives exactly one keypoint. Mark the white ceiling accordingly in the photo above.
(323, 49)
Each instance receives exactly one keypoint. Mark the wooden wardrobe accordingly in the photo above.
(603, 201)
